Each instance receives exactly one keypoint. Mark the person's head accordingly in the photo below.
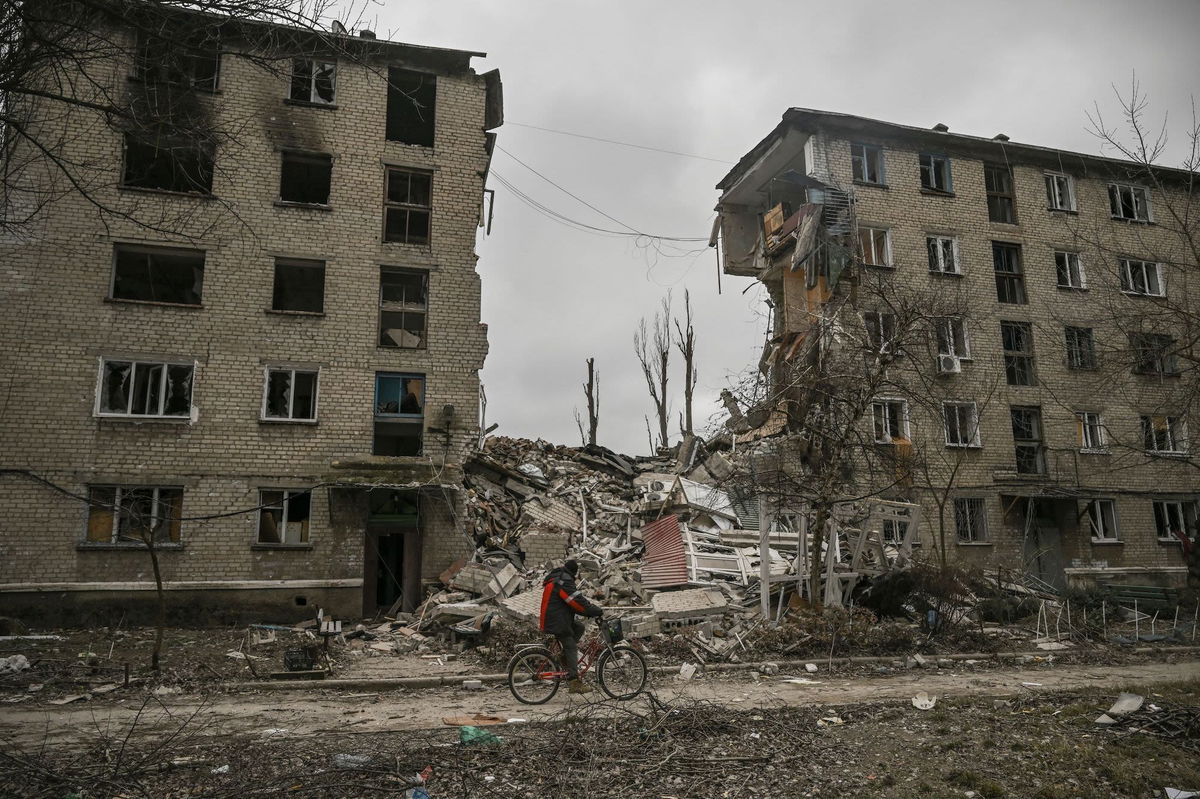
(572, 566)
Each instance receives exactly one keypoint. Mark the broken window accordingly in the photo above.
(1081, 348)
(314, 81)
(305, 178)
(167, 165)
(403, 294)
(1142, 277)
(1092, 435)
(1102, 520)
(157, 274)
(1010, 277)
(998, 181)
(179, 60)
(290, 394)
(881, 331)
(935, 173)
(894, 530)
(1164, 434)
(1154, 354)
(943, 255)
(970, 520)
(145, 389)
(1070, 270)
(891, 421)
(962, 424)
(952, 341)
(1174, 518)
(1017, 341)
(299, 286)
(874, 246)
(1060, 192)
(1131, 203)
(283, 516)
(399, 414)
(134, 514)
(411, 101)
(866, 163)
(407, 206)
(1027, 439)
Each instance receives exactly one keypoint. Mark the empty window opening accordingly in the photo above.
(178, 59)
(314, 81)
(305, 178)
(1069, 270)
(134, 515)
(407, 206)
(403, 297)
(1081, 348)
(935, 173)
(943, 255)
(1102, 520)
(1173, 519)
(970, 520)
(894, 530)
(962, 424)
(953, 346)
(1001, 200)
(866, 163)
(411, 103)
(283, 517)
(145, 389)
(1142, 277)
(1131, 203)
(1164, 434)
(891, 421)
(881, 331)
(1027, 440)
(399, 414)
(1154, 354)
(1010, 277)
(157, 274)
(1017, 341)
(290, 394)
(1060, 192)
(299, 286)
(167, 166)
(875, 246)
(1092, 435)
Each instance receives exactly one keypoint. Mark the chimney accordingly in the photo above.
(941, 128)
(366, 34)
(1000, 137)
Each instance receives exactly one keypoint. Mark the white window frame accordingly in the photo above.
(1127, 267)
(954, 328)
(1105, 528)
(1093, 436)
(884, 324)
(883, 409)
(1059, 187)
(1139, 198)
(162, 389)
(284, 505)
(886, 261)
(963, 511)
(1073, 266)
(972, 440)
(313, 96)
(292, 370)
(1181, 507)
(156, 505)
(935, 246)
(860, 153)
(939, 166)
(1176, 431)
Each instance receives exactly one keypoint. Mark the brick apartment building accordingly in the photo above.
(1053, 403)
(276, 376)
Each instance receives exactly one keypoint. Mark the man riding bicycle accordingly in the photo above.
(561, 601)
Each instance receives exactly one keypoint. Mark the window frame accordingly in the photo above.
(1071, 348)
(398, 417)
(939, 165)
(1176, 434)
(314, 97)
(407, 207)
(284, 505)
(952, 326)
(1154, 354)
(882, 409)
(1071, 266)
(1012, 275)
(281, 262)
(964, 510)
(1183, 506)
(310, 158)
(163, 393)
(880, 329)
(386, 307)
(936, 254)
(1125, 272)
(205, 165)
(874, 233)
(1014, 357)
(394, 89)
(115, 541)
(1103, 528)
(147, 66)
(865, 158)
(1038, 443)
(149, 250)
(1093, 434)
(1139, 197)
(1053, 198)
(973, 439)
(1004, 199)
(292, 371)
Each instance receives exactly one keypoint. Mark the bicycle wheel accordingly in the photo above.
(621, 672)
(533, 676)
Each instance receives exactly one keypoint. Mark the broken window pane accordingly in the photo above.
(313, 81)
(135, 513)
(1000, 199)
(1027, 440)
(1017, 341)
(1010, 279)
(397, 438)
(299, 286)
(290, 394)
(114, 393)
(402, 304)
(147, 388)
(167, 166)
(178, 59)
(411, 100)
(158, 274)
(970, 519)
(141, 388)
(100, 514)
(935, 172)
(407, 206)
(399, 407)
(305, 178)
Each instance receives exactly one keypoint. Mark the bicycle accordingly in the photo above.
(535, 672)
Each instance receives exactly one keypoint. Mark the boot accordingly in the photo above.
(578, 686)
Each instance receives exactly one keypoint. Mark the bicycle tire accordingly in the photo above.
(621, 672)
(524, 680)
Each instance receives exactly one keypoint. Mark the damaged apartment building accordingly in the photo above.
(1046, 403)
(264, 356)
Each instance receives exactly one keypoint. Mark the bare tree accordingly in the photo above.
(592, 390)
(685, 342)
(654, 354)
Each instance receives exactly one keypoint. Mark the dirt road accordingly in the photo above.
(310, 713)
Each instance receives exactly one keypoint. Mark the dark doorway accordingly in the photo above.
(1041, 521)
(392, 551)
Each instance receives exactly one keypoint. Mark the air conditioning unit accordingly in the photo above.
(948, 364)
(655, 498)
(658, 485)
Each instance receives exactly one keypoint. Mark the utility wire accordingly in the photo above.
(619, 143)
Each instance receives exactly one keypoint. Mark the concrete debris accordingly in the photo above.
(13, 664)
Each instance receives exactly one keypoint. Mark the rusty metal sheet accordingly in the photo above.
(664, 563)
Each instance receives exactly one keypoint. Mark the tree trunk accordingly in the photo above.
(816, 563)
(593, 401)
(161, 620)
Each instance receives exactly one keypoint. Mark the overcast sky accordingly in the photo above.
(711, 79)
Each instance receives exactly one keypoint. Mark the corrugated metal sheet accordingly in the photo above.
(664, 563)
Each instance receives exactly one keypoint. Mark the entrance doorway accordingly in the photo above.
(1042, 520)
(392, 551)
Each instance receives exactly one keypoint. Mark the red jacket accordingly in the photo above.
(561, 601)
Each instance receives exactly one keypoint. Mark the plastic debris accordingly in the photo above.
(811, 668)
(469, 736)
(923, 701)
(1179, 793)
(221, 769)
(1126, 703)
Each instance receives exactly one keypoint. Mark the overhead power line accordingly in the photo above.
(619, 143)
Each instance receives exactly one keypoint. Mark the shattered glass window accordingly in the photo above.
(411, 102)
(399, 412)
(407, 206)
(305, 178)
(134, 515)
(283, 517)
(291, 394)
(402, 304)
(314, 81)
(157, 274)
(142, 388)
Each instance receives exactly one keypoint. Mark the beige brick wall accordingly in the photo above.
(58, 324)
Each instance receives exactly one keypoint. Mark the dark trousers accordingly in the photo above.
(570, 649)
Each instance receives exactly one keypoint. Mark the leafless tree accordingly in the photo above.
(685, 342)
(592, 390)
(654, 354)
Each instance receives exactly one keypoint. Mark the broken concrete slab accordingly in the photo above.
(523, 607)
(694, 603)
